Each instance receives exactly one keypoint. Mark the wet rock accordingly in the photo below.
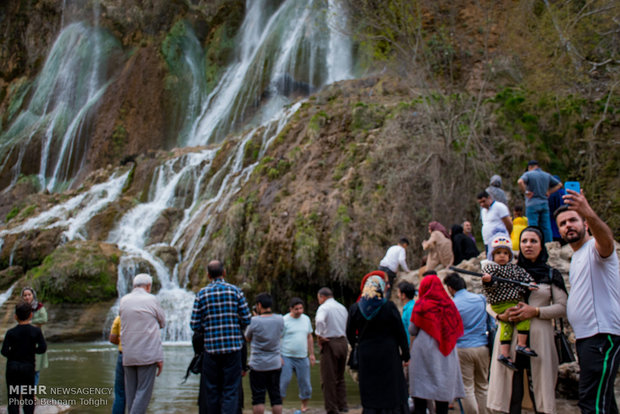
(78, 272)
(9, 276)
(164, 226)
(168, 255)
(30, 248)
(568, 381)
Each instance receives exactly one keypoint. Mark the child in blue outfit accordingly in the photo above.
(19, 347)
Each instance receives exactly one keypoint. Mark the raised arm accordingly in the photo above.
(601, 232)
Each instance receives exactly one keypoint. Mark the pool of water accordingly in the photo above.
(82, 374)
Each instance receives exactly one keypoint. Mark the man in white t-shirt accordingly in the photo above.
(395, 257)
(593, 306)
(297, 348)
(495, 218)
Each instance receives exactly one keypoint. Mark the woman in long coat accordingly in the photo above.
(434, 371)
(544, 304)
(375, 324)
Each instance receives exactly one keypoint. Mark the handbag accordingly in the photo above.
(354, 358)
(563, 347)
(195, 365)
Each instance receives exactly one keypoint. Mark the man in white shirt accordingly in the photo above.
(331, 324)
(495, 218)
(394, 257)
(297, 349)
(143, 355)
(593, 306)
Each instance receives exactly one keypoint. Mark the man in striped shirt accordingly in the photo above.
(221, 313)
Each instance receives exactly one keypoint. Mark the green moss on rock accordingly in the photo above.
(78, 272)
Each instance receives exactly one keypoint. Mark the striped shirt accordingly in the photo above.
(221, 312)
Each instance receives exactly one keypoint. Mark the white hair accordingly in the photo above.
(142, 280)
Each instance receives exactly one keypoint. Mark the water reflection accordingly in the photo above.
(88, 368)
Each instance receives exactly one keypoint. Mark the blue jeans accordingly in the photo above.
(538, 215)
(222, 373)
(301, 366)
(118, 407)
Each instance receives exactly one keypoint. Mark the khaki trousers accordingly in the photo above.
(475, 372)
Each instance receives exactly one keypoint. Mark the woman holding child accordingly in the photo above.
(544, 304)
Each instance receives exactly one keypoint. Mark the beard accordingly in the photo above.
(575, 235)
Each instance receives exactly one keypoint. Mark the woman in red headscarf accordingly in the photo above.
(434, 371)
(439, 247)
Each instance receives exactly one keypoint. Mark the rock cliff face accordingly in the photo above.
(359, 164)
(140, 108)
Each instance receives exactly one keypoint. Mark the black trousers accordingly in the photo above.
(391, 277)
(18, 374)
(599, 359)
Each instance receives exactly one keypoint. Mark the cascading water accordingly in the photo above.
(283, 52)
(181, 181)
(65, 94)
(286, 53)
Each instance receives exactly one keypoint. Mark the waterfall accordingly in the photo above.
(5, 295)
(65, 94)
(285, 50)
(291, 52)
(182, 182)
(74, 213)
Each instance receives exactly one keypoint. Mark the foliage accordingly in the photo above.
(11, 214)
(78, 272)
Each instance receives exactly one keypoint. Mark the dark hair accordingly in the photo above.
(532, 162)
(215, 269)
(429, 272)
(295, 301)
(563, 208)
(408, 289)
(518, 208)
(454, 281)
(264, 299)
(482, 194)
(23, 311)
(326, 292)
(404, 240)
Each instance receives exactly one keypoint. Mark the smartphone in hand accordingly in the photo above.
(573, 186)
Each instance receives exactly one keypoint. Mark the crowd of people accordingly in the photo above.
(436, 350)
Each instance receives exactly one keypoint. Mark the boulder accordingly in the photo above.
(78, 272)
(28, 249)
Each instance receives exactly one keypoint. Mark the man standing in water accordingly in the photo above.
(221, 312)
(593, 306)
(297, 351)
(331, 324)
(143, 354)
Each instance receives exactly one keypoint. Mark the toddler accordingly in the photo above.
(504, 295)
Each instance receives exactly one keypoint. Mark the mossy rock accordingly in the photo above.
(9, 276)
(77, 272)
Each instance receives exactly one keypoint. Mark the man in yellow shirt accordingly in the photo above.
(119, 379)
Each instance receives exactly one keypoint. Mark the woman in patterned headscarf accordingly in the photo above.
(435, 371)
(374, 324)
